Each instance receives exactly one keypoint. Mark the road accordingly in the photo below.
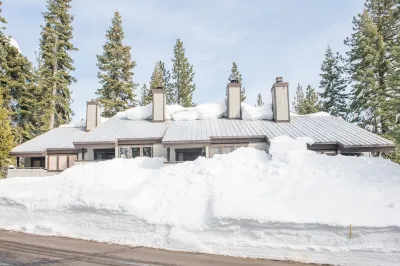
(23, 249)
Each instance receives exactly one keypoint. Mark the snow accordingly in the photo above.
(200, 112)
(291, 205)
(82, 123)
(257, 112)
(15, 44)
(177, 112)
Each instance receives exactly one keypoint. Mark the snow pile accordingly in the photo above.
(177, 112)
(293, 205)
(139, 113)
(201, 112)
(257, 112)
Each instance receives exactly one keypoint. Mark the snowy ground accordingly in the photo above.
(296, 205)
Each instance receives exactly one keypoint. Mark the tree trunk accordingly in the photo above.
(54, 89)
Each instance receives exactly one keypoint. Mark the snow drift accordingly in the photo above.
(200, 112)
(257, 112)
(291, 205)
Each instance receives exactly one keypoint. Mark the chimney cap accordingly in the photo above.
(279, 79)
(159, 88)
(234, 81)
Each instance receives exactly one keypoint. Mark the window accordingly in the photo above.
(135, 152)
(123, 153)
(147, 151)
(215, 150)
(104, 154)
(227, 149)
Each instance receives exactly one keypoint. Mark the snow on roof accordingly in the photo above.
(119, 127)
(322, 129)
(57, 138)
(200, 112)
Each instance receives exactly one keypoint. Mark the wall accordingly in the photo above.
(28, 173)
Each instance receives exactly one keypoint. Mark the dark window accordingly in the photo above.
(183, 155)
(37, 162)
(104, 154)
(135, 152)
(147, 151)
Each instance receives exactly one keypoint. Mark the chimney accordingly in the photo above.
(93, 112)
(159, 102)
(234, 101)
(280, 100)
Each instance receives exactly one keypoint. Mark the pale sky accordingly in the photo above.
(266, 38)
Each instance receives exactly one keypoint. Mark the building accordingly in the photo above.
(178, 141)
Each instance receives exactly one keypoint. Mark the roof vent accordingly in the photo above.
(279, 79)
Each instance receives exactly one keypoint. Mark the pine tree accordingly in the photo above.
(311, 101)
(259, 100)
(146, 96)
(182, 75)
(6, 138)
(19, 90)
(371, 60)
(235, 75)
(298, 103)
(161, 78)
(333, 83)
(56, 64)
(116, 72)
(166, 76)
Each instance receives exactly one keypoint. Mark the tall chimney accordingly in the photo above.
(234, 101)
(280, 100)
(159, 103)
(93, 112)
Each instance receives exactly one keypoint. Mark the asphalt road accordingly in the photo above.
(23, 249)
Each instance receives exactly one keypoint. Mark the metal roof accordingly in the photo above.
(119, 128)
(323, 129)
(57, 138)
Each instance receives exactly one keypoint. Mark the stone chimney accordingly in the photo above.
(233, 103)
(280, 100)
(93, 114)
(159, 104)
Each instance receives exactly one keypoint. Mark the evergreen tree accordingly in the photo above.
(56, 64)
(371, 60)
(182, 75)
(116, 72)
(19, 91)
(259, 100)
(166, 76)
(307, 104)
(311, 102)
(298, 103)
(161, 78)
(333, 83)
(235, 75)
(6, 138)
(146, 96)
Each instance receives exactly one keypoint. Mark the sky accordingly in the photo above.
(266, 38)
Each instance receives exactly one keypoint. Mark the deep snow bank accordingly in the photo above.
(296, 205)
